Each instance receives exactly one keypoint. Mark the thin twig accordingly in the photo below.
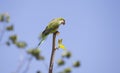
(29, 62)
(2, 32)
(20, 66)
(28, 65)
(52, 54)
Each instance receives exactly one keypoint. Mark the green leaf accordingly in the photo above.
(60, 62)
(40, 58)
(4, 17)
(21, 44)
(9, 28)
(76, 64)
(60, 45)
(66, 54)
(59, 41)
(35, 53)
(67, 70)
(1, 17)
(7, 18)
(13, 38)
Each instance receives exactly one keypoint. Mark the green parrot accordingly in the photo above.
(51, 28)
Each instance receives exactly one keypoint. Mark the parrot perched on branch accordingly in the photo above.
(51, 28)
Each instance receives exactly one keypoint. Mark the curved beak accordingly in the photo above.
(63, 22)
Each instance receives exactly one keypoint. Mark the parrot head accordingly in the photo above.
(61, 21)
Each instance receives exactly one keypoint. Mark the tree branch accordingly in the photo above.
(2, 32)
(28, 65)
(53, 53)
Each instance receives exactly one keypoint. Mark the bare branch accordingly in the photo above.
(53, 53)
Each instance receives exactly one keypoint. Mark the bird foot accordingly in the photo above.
(57, 32)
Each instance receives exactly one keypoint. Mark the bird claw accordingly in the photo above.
(57, 32)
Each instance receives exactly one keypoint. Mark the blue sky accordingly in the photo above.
(91, 33)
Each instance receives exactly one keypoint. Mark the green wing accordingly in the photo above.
(51, 28)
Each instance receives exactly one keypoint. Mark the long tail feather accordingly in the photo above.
(39, 43)
(42, 38)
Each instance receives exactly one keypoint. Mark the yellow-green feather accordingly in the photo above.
(51, 28)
